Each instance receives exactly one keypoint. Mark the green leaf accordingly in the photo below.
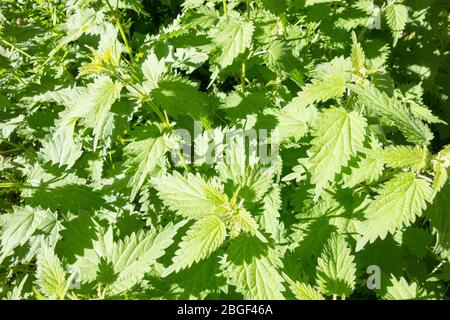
(201, 281)
(108, 52)
(136, 255)
(204, 237)
(336, 67)
(415, 158)
(392, 110)
(424, 114)
(188, 4)
(439, 217)
(323, 90)
(135, 5)
(61, 148)
(339, 135)
(398, 203)
(280, 58)
(179, 96)
(242, 221)
(121, 265)
(19, 227)
(368, 170)
(402, 290)
(270, 218)
(358, 56)
(253, 182)
(275, 6)
(304, 291)
(50, 275)
(415, 240)
(336, 270)
(95, 107)
(232, 36)
(145, 157)
(441, 164)
(317, 149)
(191, 196)
(295, 119)
(440, 177)
(252, 267)
(396, 16)
(153, 69)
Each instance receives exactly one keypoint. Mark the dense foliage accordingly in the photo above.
(99, 199)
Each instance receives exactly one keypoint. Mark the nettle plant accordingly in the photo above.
(103, 198)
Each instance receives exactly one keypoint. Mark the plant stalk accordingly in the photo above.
(15, 48)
